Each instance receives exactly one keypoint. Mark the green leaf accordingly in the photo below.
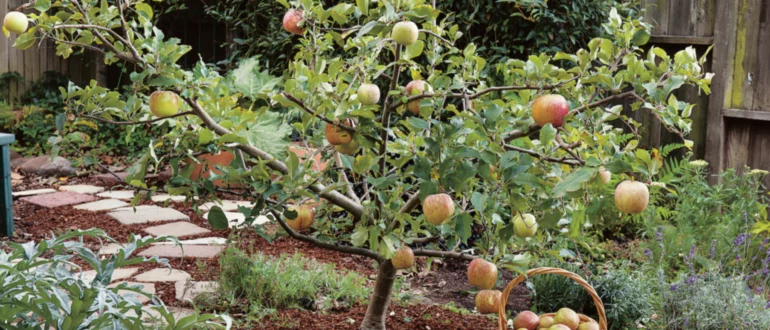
(422, 168)
(42, 5)
(363, 163)
(138, 170)
(418, 123)
(250, 81)
(573, 181)
(550, 219)
(527, 179)
(414, 50)
(427, 188)
(547, 134)
(145, 9)
(205, 136)
(60, 119)
(359, 236)
(463, 226)
(578, 221)
(479, 201)
(618, 167)
(218, 219)
(270, 133)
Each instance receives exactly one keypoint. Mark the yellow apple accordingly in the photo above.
(368, 94)
(413, 88)
(404, 258)
(524, 226)
(350, 148)
(631, 197)
(304, 218)
(488, 301)
(438, 208)
(337, 135)
(164, 103)
(404, 33)
(16, 22)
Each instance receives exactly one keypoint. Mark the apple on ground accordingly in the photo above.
(164, 103)
(567, 317)
(526, 320)
(588, 326)
(404, 33)
(488, 301)
(605, 175)
(559, 327)
(438, 208)
(16, 22)
(304, 218)
(292, 22)
(551, 109)
(524, 225)
(368, 94)
(482, 273)
(631, 197)
(403, 259)
(413, 88)
(350, 148)
(337, 135)
(546, 321)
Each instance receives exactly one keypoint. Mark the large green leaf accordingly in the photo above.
(269, 133)
(252, 82)
(573, 181)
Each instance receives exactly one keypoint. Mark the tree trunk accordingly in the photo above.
(380, 299)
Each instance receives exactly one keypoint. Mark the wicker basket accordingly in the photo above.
(558, 271)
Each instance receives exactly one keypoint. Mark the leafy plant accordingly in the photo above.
(43, 287)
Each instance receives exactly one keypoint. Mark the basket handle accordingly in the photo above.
(502, 322)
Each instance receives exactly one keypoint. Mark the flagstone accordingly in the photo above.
(82, 188)
(32, 192)
(176, 251)
(118, 194)
(145, 214)
(102, 205)
(57, 199)
(178, 229)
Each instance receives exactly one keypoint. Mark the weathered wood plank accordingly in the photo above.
(759, 158)
(657, 14)
(681, 40)
(762, 74)
(681, 17)
(707, 11)
(747, 114)
(737, 141)
(723, 59)
(747, 32)
(3, 41)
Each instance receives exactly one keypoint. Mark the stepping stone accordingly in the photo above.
(190, 290)
(145, 214)
(118, 274)
(32, 192)
(82, 188)
(102, 205)
(166, 197)
(57, 199)
(163, 275)
(111, 248)
(237, 219)
(175, 251)
(145, 287)
(226, 205)
(198, 241)
(178, 229)
(118, 194)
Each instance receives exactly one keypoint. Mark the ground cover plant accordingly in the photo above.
(482, 160)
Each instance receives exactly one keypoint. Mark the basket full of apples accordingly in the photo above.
(564, 319)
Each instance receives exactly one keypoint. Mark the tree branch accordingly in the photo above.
(533, 153)
(334, 247)
(411, 204)
(568, 149)
(123, 22)
(442, 254)
(344, 178)
(137, 122)
(437, 36)
(310, 111)
(101, 38)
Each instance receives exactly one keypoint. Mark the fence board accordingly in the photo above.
(706, 17)
(762, 76)
(657, 14)
(3, 42)
(747, 32)
(682, 16)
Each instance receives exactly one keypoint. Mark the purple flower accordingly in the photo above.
(691, 280)
(758, 290)
(738, 257)
(740, 239)
(768, 305)
(674, 287)
(692, 252)
(648, 253)
(686, 322)
(659, 234)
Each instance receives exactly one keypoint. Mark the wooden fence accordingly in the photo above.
(41, 57)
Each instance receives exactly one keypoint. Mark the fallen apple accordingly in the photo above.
(337, 135)
(551, 109)
(16, 22)
(526, 320)
(413, 88)
(304, 218)
(404, 33)
(368, 94)
(631, 197)
(404, 258)
(588, 326)
(350, 148)
(567, 317)
(524, 226)
(488, 301)
(164, 103)
(605, 175)
(292, 22)
(482, 273)
(438, 208)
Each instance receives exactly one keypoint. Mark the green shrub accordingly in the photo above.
(42, 288)
(625, 294)
(287, 282)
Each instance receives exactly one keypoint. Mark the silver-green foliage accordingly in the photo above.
(42, 287)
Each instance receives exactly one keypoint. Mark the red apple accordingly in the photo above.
(368, 94)
(438, 208)
(482, 273)
(16, 22)
(488, 301)
(164, 103)
(524, 226)
(526, 320)
(588, 326)
(605, 175)
(337, 135)
(559, 327)
(350, 148)
(549, 109)
(414, 87)
(404, 33)
(631, 197)
(567, 317)
(304, 219)
(404, 258)
(546, 321)
(292, 22)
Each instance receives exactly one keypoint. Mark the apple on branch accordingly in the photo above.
(413, 88)
(605, 175)
(293, 23)
(304, 218)
(551, 109)
(404, 33)
(164, 103)
(337, 135)
(368, 94)
(350, 148)
(438, 208)
(404, 258)
(16, 22)
(631, 197)
(524, 225)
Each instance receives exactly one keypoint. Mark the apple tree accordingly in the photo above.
(431, 151)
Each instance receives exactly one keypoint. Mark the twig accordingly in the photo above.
(533, 153)
(310, 111)
(120, 123)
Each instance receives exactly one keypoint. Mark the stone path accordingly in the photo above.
(170, 222)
